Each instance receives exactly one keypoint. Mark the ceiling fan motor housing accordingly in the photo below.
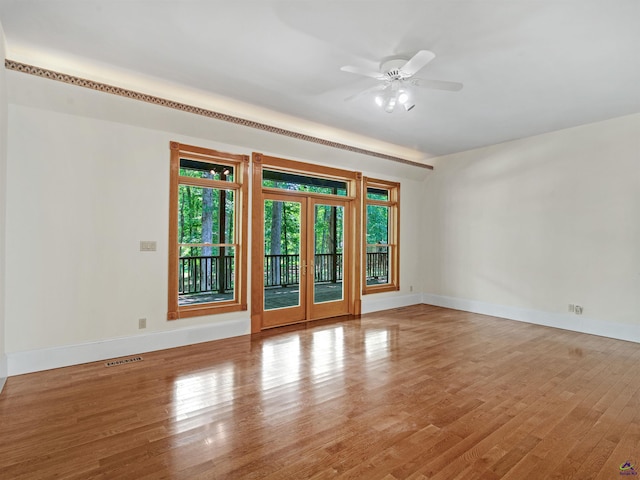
(392, 68)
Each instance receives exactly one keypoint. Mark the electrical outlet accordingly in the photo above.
(572, 308)
(142, 323)
(578, 310)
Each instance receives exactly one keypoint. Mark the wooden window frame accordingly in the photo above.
(393, 204)
(240, 186)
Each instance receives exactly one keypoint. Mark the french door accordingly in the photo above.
(306, 267)
(306, 227)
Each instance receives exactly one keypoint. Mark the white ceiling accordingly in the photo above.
(528, 66)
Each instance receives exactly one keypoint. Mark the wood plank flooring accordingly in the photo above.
(414, 393)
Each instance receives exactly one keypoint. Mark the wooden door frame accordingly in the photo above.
(353, 244)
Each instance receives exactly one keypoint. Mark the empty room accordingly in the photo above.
(308, 239)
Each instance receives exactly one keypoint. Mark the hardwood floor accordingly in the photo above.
(413, 393)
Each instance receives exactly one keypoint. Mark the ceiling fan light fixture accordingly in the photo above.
(394, 95)
(397, 73)
(391, 105)
(387, 98)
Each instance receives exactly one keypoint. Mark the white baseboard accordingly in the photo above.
(565, 321)
(375, 303)
(3, 371)
(19, 363)
(56, 357)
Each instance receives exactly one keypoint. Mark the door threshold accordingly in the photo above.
(304, 324)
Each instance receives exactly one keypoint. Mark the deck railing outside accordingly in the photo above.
(205, 274)
(209, 274)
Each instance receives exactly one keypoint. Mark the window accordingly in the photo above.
(207, 232)
(381, 262)
(303, 183)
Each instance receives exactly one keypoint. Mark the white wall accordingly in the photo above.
(3, 196)
(517, 230)
(88, 179)
(525, 228)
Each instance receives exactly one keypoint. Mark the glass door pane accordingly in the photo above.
(328, 253)
(282, 248)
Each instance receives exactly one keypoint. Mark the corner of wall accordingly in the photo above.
(3, 368)
(3, 191)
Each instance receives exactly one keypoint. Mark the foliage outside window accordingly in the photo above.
(208, 224)
(381, 249)
(303, 183)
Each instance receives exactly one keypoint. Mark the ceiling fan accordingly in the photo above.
(396, 78)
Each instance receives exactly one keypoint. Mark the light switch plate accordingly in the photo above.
(147, 246)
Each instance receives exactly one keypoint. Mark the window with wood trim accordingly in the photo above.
(207, 232)
(382, 236)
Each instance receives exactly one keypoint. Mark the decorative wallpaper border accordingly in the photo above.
(143, 97)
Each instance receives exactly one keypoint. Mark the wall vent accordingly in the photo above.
(123, 361)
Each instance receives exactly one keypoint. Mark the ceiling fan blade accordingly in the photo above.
(362, 71)
(373, 89)
(418, 61)
(437, 84)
